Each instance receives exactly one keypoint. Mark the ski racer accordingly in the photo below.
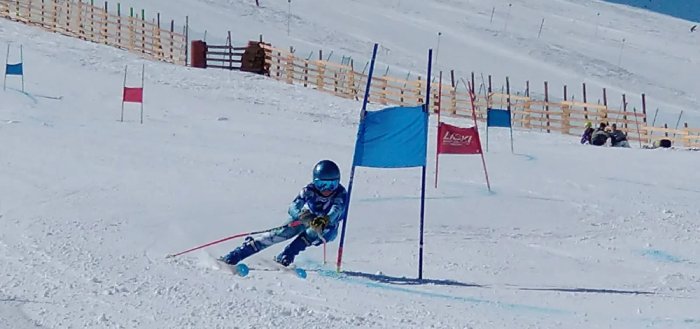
(314, 216)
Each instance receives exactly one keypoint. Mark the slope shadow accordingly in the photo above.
(593, 291)
(381, 278)
(409, 281)
(526, 156)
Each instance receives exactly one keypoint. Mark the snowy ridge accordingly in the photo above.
(571, 237)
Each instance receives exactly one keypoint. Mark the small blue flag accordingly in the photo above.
(498, 118)
(13, 69)
(395, 137)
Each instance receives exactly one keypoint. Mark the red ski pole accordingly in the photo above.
(292, 224)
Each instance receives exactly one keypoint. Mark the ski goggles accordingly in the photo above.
(326, 185)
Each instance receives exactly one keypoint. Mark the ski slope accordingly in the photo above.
(570, 237)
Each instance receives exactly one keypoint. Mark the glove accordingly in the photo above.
(306, 215)
(319, 223)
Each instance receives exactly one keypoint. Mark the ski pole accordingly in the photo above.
(292, 224)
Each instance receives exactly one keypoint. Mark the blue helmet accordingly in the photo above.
(326, 175)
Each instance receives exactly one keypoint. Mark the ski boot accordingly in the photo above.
(292, 250)
(248, 248)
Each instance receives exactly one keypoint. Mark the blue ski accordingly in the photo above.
(297, 271)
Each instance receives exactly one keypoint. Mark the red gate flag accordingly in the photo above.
(133, 95)
(456, 140)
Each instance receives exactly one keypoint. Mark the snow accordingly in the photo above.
(570, 237)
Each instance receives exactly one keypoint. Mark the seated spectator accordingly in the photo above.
(586, 137)
(665, 143)
(618, 138)
(600, 136)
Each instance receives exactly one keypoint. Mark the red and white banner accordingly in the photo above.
(456, 140)
(133, 94)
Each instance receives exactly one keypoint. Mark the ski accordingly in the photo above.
(244, 270)
(296, 271)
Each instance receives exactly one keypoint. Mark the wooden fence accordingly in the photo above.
(88, 22)
(566, 117)
(687, 137)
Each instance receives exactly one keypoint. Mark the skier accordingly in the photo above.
(586, 137)
(319, 207)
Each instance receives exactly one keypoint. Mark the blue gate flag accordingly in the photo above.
(13, 69)
(395, 137)
(498, 118)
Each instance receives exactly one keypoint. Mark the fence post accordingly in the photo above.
(69, 17)
(54, 15)
(624, 110)
(546, 104)
(104, 29)
(157, 42)
(565, 97)
(306, 73)
(80, 22)
(419, 88)
(320, 83)
(585, 100)
(602, 115)
(644, 118)
(143, 32)
(527, 88)
(335, 82)
(565, 119)
(4, 10)
(92, 21)
(528, 115)
(119, 25)
(351, 83)
(508, 96)
(289, 68)
(382, 94)
(43, 13)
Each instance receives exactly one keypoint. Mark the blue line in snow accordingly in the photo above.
(661, 256)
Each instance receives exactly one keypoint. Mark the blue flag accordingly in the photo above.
(498, 118)
(13, 69)
(395, 137)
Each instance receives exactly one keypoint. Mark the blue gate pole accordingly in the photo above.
(422, 192)
(21, 61)
(7, 58)
(360, 129)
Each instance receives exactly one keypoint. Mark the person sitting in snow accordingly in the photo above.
(600, 136)
(618, 138)
(586, 137)
(314, 217)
